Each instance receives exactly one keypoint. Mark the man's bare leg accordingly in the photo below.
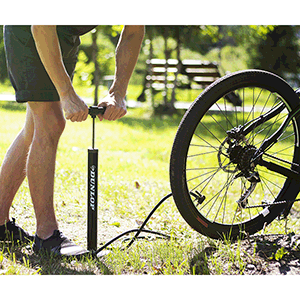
(49, 124)
(13, 168)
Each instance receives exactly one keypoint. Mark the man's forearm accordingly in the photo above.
(127, 53)
(48, 47)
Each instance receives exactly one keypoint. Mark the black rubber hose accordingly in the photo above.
(138, 231)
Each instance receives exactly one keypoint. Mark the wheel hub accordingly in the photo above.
(244, 163)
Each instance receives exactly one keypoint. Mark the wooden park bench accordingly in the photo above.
(187, 74)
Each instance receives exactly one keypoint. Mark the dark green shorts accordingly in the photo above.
(26, 71)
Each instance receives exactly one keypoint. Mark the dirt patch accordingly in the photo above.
(272, 255)
(275, 254)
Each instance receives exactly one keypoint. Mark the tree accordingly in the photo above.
(197, 38)
(95, 51)
(277, 52)
(96, 57)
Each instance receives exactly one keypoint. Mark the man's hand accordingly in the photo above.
(127, 53)
(74, 107)
(115, 107)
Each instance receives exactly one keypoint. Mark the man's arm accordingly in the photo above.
(127, 53)
(48, 48)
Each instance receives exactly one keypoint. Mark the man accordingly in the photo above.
(41, 61)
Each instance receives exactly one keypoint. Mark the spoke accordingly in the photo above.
(262, 112)
(200, 154)
(270, 182)
(200, 169)
(217, 121)
(253, 103)
(221, 202)
(209, 132)
(199, 176)
(208, 179)
(225, 115)
(200, 146)
(216, 194)
(215, 147)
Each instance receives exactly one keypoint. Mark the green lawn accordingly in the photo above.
(133, 176)
(133, 173)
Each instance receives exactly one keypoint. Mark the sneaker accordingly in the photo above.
(58, 245)
(11, 232)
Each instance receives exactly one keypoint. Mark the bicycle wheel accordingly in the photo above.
(217, 188)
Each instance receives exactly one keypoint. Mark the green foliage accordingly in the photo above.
(195, 37)
(85, 68)
(279, 254)
(277, 52)
(269, 47)
(262, 30)
(3, 72)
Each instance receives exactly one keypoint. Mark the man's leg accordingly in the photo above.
(49, 123)
(13, 168)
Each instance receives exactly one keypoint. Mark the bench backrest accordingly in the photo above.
(201, 72)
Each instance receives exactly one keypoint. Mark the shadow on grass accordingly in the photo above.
(12, 106)
(199, 261)
(51, 264)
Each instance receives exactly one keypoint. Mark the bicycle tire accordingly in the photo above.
(184, 161)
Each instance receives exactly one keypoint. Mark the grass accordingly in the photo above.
(133, 176)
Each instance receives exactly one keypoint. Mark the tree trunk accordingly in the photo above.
(150, 67)
(167, 54)
(95, 61)
(173, 97)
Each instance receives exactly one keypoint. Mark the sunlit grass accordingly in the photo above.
(133, 176)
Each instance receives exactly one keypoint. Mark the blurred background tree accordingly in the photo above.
(234, 47)
(277, 51)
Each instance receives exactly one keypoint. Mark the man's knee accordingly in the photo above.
(55, 129)
(28, 129)
(48, 119)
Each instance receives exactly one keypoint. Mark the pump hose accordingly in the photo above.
(138, 230)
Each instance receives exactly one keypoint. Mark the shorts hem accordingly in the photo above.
(38, 96)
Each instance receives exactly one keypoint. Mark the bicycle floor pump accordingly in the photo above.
(92, 185)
